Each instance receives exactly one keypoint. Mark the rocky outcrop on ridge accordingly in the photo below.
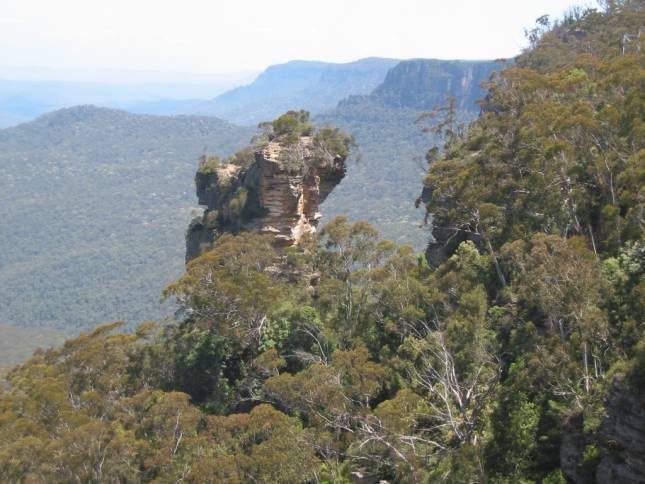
(279, 192)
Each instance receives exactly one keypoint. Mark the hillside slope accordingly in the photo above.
(548, 185)
(93, 207)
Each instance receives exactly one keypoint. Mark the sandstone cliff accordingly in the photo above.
(278, 192)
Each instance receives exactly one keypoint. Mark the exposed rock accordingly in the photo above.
(572, 448)
(620, 439)
(623, 432)
(278, 193)
(444, 240)
(422, 84)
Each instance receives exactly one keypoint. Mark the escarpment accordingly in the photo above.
(274, 188)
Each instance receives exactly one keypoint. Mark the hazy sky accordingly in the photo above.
(211, 36)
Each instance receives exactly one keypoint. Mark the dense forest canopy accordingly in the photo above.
(348, 357)
(93, 203)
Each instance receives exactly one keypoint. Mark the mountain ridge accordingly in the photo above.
(24, 100)
(311, 85)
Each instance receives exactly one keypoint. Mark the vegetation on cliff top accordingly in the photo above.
(349, 354)
(235, 189)
(287, 129)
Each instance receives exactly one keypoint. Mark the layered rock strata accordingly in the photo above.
(279, 193)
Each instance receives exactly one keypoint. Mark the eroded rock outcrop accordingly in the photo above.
(278, 192)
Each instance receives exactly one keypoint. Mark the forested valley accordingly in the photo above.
(512, 350)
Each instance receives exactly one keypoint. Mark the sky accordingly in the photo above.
(211, 38)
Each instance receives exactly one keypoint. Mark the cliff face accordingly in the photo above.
(278, 193)
(623, 433)
(422, 84)
(315, 86)
(621, 438)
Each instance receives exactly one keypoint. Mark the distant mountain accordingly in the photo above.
(382, 186)
(422, 84)
(311, 85)
(93, 207)
(22, 101)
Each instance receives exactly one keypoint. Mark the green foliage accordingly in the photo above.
(334, 140)
(250, 336)
(350, 355)
(550, 153)
(292, 124)
(554, 477)
(209, 164)
(95, 203)
(515, 425)
(547, 183)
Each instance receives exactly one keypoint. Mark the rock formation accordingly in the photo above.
(423, 84)
(621, 438)
(278, 192)
(444, 240)
(623, 432)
